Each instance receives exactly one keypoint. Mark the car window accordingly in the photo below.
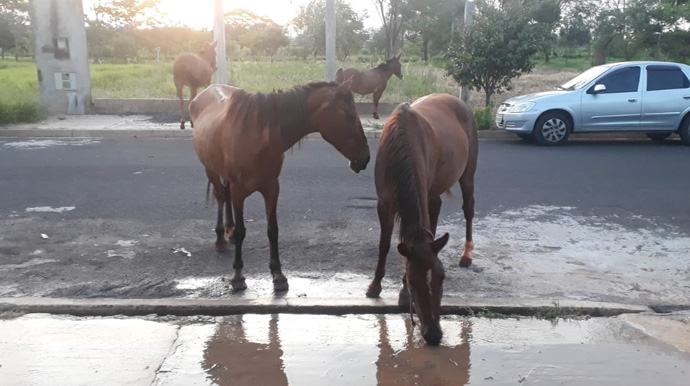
(666, 78)
(622, 80)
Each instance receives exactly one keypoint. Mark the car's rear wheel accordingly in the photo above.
(552, 129)
(526, 137)
(658, 137)
(684, 130)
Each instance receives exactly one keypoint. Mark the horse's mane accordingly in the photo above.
(401, 174)
(385, 66)
(282, 110)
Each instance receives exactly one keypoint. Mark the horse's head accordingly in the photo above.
(424, 277)
(208, 53)
(333, 114)
(394, 64)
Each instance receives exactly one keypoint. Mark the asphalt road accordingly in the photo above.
(136, 199)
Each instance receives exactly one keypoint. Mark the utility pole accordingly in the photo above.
(469, 19)
(219, 35)
(330, 40)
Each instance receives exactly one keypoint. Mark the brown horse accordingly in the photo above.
(194, 71)
(240, 139)
(424, 149)
(371, 81)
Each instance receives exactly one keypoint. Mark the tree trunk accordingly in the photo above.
(2, 52)
(487, 95)
(425, 49)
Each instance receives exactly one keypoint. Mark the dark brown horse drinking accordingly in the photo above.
(241, 138)
(193, 71)
(425, 148)
(365, 82)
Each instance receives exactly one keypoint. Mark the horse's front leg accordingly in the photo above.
(239, 194)
(467, 187)
(270, 193)
(180, 97)
(387, 221)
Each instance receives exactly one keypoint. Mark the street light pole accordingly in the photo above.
(219, 35)
(330, 40)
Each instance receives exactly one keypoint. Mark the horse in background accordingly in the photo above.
(193, 71)
(425, 148)
(241, 138)
(365, 82)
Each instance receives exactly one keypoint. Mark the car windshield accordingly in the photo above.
(581, 80)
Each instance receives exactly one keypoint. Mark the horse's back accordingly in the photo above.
(454, 136)
(191, 70)
(362, 82)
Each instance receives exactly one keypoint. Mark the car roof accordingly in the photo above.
(646, 63)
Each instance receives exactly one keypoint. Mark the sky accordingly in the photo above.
(199, 13)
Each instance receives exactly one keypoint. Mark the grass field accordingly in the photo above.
(19, 89)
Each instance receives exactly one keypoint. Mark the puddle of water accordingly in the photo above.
(388, 350)
(46, 143)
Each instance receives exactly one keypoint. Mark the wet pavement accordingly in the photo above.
(343, 350)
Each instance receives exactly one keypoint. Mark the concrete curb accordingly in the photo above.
(337, 306)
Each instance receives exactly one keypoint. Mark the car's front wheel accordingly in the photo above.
(552, 129)
(684, 130)
(658, 137)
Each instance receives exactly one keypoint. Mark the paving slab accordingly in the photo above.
(283, 349)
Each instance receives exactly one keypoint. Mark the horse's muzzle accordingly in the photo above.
(433, 337)
(359, 164)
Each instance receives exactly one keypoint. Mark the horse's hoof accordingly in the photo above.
(373, 291)
(465, 261)
(238, 284)
(181, 125)
(280, 285)
(404, 299)
(191, 123)
(376, 116)
(221, 245)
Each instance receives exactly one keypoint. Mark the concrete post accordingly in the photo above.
(219, 36)
(470, 8)
(62, 60)
(330, 40)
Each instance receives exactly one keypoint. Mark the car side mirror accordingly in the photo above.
(599, 88)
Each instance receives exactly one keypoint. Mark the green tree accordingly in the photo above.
(310, 25)
(431, 21)
(14, 27)
(267, 40)
(392, 15)
(493, 51)
(260, 34)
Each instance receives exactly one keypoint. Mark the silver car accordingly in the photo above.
(649, 97)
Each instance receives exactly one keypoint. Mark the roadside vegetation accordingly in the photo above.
(514, 47)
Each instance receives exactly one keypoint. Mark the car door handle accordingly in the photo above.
(632, 99)
(686, 96)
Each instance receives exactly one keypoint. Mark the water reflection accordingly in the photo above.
(326, 350)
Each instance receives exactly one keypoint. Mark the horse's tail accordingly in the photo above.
(339, 76)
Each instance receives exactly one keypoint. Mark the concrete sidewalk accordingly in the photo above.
(163, 125)
(279, 349)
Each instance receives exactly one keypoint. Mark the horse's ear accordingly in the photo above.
(398, 55)
(404, 250)
(439, 243)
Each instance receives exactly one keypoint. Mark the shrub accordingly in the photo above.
(20, 112)
(484, 118)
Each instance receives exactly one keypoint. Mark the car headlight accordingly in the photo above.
(522, 107)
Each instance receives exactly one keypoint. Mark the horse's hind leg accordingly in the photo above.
(239, 194)
(270, 193)
(229, 220)
(387, 221)
(219, 194)
(192, 94)
(467, 187)
(180, 97)
(377, 96)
